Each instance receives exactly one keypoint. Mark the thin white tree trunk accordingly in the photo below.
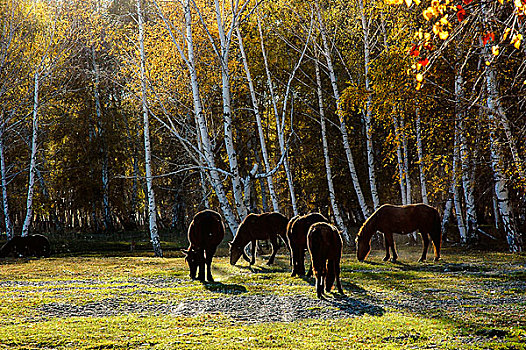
(457, 198)
(152, 208)
(334, 205)
(33, 158)
(513, 236)
(237, 187)
(421, 164)
(108, 222)
(403, 136)
(262, 142)
(3, 174)
(399, 156)
(279, 127)
(202, 126)
(368, 109)
(467, 183)
(343, 128)
(447, 212)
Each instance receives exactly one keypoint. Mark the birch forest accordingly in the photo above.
(133, 115)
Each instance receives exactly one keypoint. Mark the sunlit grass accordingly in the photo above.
(29, 285)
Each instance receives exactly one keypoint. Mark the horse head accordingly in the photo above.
(235, 252)
(363, 247)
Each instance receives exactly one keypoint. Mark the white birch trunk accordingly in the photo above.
(400, 159)
(262, 142)
(33, 158)
(467, 184)
(513, 236)
(3, 174)
(447, 213)
(403, 136)
(202, 126)
(343, 127)
(457, 199)
(108, 222)
(152, 208)
(421, 164)
(237, 187)
(337, 216)
(368, 110)
(279, 127)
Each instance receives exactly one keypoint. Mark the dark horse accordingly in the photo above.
(325, 248)
(404, 219)
(258, 227)
(205, 233)
(297, 230)
(32, 245)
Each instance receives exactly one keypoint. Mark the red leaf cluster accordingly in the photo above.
(461, 13)
(488, 37)
(414, 51)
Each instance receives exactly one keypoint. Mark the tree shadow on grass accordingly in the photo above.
(224, 288)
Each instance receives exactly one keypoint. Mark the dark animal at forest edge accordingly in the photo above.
(205, 233)
(405, 219)
(258, 227)
(297, 230)
(32, 245)
(325, 248)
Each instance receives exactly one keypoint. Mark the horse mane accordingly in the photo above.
(367, 227)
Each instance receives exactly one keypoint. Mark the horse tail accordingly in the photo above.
(436, 233)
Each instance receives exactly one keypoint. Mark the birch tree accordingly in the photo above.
(257, 115)
(368, 106)
(421, 163)
(152, 208)
(343, 127)
(279, 125)
(334, 205)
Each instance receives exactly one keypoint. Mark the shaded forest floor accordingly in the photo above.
(473, 300)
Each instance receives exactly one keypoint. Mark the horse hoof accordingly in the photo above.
(393, 260)
(436, 259)
(386, 258)
(421, 260)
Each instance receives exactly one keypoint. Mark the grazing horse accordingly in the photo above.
(325, 248)
(258, 227)
(33, 245)
(404, 219)
(205, 233)
(297, 236)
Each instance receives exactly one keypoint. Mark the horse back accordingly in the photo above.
(300, 227)
(407, 218)
(206, 229)
(260, 227)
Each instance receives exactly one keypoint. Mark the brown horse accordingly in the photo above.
(297, 230)
(405, 219)
(205, 233)
(32, 245)
(258, 227)
(325, 248)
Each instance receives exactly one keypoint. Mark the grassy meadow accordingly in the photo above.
(473, 300)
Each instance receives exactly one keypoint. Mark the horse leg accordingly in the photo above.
(425, 242)
(388, 237)
(436, 237)
(275, 246)
(319, 285)
(209, 256)
(201, 266)
(301, 262)
(337, 273)
(393, 249)
(294, 260)
(244, 254)
(253, 251)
